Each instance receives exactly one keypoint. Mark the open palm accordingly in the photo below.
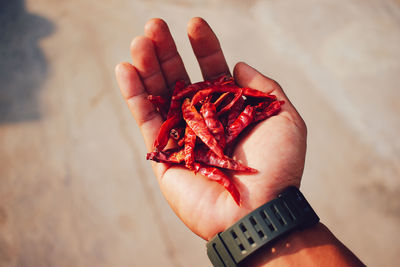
(275, 147)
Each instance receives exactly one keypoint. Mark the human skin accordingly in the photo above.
(275, 147)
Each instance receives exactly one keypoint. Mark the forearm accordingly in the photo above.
(315, 246)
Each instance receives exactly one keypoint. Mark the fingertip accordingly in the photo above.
(247, 76)
(195, 21)
(145, 60)
(244, 74)
(139, 42)
(239, 67)
(154, 21)
(128, 79)
(195, 26)
(120, 67)
(123, 70)
(117, 69)
(153, 26)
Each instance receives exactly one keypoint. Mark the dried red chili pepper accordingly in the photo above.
(242, 121)
(160, 103)
(233, 102)
(232, 89)
(256, 93)
(272, 109)
(221, 99)
(163, 135)
(196, 122)
(209, 113)
(174, 116)
(223, 80)
(190, 142)
(187, 92)
(208, 157)
(235, 110)
(218, 176)
(191, 89)
(260, 106)
(175, 105)
(202, 94)
(181, 142)
(172, 156)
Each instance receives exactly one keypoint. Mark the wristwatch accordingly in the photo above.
(289, 211)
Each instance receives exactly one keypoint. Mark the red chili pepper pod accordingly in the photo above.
(187, 92)
(190, 142)
(223, 79)
(199, 127)
(218, 176)
(175, 105)
(209, 113)
(208, 157)
(164, 133)
(174, 116)
(242, 121)
(160, 103)
(235, 110)
(273, 109)
(191, 89)
(168, 156)
(232, 103)
(256, 93)
(213, 89)
(181, 142)
(223, 97)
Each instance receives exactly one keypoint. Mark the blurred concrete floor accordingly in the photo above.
(75, 188)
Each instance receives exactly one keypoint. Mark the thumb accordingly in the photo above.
(246, 76)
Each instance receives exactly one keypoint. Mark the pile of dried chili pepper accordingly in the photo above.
(204, 120)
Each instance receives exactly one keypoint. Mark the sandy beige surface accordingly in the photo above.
(75, 188)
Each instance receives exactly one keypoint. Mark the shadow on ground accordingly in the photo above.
(23, 66)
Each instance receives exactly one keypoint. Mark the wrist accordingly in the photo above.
(289, 245)
(314, 246)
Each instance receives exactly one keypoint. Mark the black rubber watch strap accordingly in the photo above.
(288, 212)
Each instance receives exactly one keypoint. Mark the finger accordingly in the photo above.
(170, 61)
(207, 49)
(135, 95)
(246, 76)
(145, 60)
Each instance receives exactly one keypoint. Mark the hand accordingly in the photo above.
(275, 147)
